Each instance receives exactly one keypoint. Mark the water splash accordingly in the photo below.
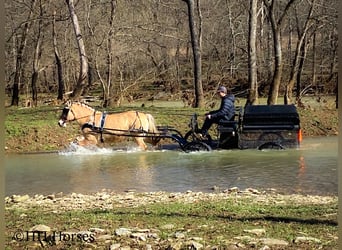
(74, 149)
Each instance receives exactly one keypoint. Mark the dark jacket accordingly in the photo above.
(226, 110)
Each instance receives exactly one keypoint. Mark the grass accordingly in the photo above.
(216, 223)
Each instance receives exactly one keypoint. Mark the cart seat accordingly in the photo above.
(227, 126)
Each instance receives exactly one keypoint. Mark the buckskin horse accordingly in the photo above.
(98, 126)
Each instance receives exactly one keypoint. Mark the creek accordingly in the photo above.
(311, 169)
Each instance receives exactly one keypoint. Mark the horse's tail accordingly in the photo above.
(152, 128)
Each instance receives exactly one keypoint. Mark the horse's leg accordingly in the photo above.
(141, 143)
(88, 141)
(88, 138)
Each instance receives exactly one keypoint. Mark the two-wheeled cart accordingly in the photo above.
(254, 127)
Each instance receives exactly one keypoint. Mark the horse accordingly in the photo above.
(98, 126)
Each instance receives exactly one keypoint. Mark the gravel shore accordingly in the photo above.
(106, 199)
(165, 234)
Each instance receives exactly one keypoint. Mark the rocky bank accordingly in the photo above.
(152, 238)
(106, 199)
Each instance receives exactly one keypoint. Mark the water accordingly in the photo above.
(312, 169)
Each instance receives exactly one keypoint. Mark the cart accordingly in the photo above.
(254, 127)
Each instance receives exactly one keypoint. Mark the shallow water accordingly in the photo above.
(312, 169)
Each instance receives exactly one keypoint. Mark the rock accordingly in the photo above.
(176, 246)
(233, 190)
(274, 242)
(167, 227)
(20, 198)
(115, 246)
(104, 197)
(50, 197)
(122, 232)
(97, 230)
(179, 235)
(301, 239)
(195, 245)
(197, 238)
(139, 236)
(257, 232)
(104, 237)
(253, 191)
(40, 228)
(244, 238)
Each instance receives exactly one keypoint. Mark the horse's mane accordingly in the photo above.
(83, 104)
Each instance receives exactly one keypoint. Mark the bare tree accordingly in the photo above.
(20, 56)
(196, 49)
(61, 87)
(83, 74)
(37, 55)
(300, 49)
(276, 25)
(151, 47)
(252, 58)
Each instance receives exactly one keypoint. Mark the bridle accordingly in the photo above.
(65, 112)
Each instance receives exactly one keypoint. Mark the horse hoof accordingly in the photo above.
(80, 138)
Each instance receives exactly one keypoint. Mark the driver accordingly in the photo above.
(226, 111)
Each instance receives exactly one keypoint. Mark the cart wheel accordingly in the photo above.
(271, 137)
(270, 145)
(190, 136)
(194, 146)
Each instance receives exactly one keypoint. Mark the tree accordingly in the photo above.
(37, 56)
(20, 56)
(196, 49)
(276, 26)
(83, 74)
(151, 47)
(299, 56)
(252, 58)
(61, 87)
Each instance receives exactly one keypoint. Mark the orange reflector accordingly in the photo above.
(299, 136)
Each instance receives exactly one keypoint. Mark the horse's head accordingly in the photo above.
(67, 114)
(75, 111)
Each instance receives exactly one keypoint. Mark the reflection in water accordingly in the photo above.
(309, 170)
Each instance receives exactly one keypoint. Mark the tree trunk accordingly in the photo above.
(278, 67)
(252, 58)
(83, 74)
(20, 56)
(195, 42)
(276, 26)
(34, 79)
(61, 87)
(36, 57)
(300, 49)
(300, 70)
(107, 94)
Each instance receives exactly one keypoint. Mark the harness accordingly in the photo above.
(99, 128)
(132, 128)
